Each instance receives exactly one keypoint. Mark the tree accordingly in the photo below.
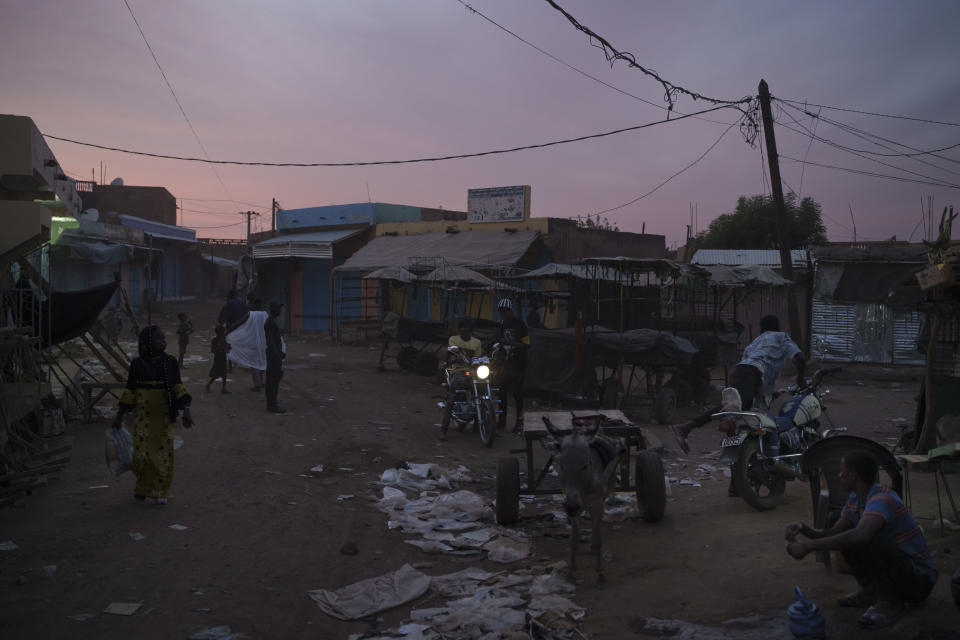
(752, 225)
(597, 222)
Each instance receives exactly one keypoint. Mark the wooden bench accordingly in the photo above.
(90, 400)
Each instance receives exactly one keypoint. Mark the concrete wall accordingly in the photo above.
(150, 203)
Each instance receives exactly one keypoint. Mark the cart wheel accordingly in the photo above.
(407, 358)
(665, 406)
(651, 486)
(426, 363)
(508, 491)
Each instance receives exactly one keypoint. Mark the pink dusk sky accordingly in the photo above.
(369, 80)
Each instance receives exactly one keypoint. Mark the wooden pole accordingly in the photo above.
(925, 438)
(786, 262)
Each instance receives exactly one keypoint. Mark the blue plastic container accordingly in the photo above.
(806, 619)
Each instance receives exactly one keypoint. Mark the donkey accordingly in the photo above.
(586, 464)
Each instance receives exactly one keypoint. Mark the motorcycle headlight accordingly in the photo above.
(483, 371)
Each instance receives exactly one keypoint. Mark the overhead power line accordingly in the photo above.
(175, 98)
(390, 162)
(868, 113)
(656, 188)
(874, 175)
(670, 90)
(222, 226)
(583, 73)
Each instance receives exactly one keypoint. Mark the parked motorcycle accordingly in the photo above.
(767, 451)
(471, 397)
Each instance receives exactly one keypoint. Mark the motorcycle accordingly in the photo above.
(766, 451)
(471, 399)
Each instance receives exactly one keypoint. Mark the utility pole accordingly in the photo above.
(273, 214)
(249, 215)
(786, 261)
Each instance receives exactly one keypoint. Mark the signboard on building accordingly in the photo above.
(498, 204)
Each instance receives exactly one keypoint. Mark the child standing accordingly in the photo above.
(184, 329)
(219, 348)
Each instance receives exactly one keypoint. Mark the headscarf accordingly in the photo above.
(151, 346)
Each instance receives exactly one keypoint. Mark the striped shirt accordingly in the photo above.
(899, 529)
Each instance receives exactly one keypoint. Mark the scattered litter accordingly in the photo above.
(317, 469)
(177, 442)
(380, 423)
(898, 419)
(505, 550)
(272, 473)
(344, 469)
(292, 504)
(214, 633)
(384, 428)
(373, 595)
(49, 570)
(123, 608)
(7, 545)
(298, 445)
(706, 469)
(727, 473)
(346, 496)
(81, 617)
(178, 527)
(99, 486)
(689, 482)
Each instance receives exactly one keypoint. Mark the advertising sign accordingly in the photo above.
(498, 204)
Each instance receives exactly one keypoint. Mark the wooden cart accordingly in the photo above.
(648, 476)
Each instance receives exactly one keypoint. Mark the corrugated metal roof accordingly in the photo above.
(473, 248)
(736, 257)
(158, 229)
(315, 244)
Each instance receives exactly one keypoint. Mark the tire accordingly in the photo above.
(651, 486)
(683, 390)
(487, 423)
(508, 491)
(407, 358)
(665, 406)
(761, 488)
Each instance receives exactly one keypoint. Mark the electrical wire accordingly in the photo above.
(175, 98)
(390, 162)
(699, 158)
(806, 131)
(249, 204)
(583, 73)
(873, 174)
(612, 55)
(222, 226)
(871, 113)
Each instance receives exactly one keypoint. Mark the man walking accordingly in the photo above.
(275, 355)
(880, 540)
(755, 377)
(513, 337)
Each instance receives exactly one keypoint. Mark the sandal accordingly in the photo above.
(877, 618)
(859, 598)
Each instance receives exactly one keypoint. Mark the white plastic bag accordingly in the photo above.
(118, 450)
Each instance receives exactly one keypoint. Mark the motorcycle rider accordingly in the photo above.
(755, 376)
(513, 336)
(471, 347)
(881, 541)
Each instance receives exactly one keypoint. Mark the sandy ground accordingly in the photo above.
(262, 530)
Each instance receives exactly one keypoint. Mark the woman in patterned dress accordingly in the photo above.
(155, 394)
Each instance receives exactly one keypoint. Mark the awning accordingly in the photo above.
(467, 248)
(220, 262)
(92, 249)
(158, 229)
(398, 274)
(316, 244)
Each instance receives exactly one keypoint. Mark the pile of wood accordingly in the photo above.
(27, 461)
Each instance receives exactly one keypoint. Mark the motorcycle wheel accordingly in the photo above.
(759, 484)
(486, 423)
(651, 486)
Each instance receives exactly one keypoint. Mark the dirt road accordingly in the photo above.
(262, 529)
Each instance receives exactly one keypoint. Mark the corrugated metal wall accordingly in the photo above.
(864, 332)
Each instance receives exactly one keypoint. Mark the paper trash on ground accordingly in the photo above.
(373, 595)
(123, 608)
(8, 545)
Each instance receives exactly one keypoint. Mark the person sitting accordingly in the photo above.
(470, 347)
(880, 540)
